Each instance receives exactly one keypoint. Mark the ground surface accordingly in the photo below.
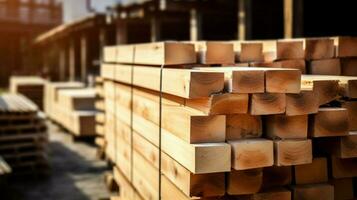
(76, 173)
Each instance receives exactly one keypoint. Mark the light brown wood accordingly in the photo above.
(319, 48)
(315, 172)
(315, 191)
(193, 185)
(343, 188)
(292, 152)
(251, 153)
(325, 67)
(267, 103)
(185, 83)
(214, 52)
(289, 49)
(329, 122)
(293, 64)
(286, 127)
(348, 66)
(127, 191)
(241, 126)
(244, 181)
(301, 104)
(251, 52)
(346, 46)
(351, 107)
(159, 53)
(275, 176)
(282, 81)
(343, 168)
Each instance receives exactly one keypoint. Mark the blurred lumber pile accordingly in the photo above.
(23, 135)
(100, 117)
(71, 105)
(31, 87)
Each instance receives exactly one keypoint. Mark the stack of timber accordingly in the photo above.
(31, 87)
(23, 135)
(71, 105)
(229, 132)
(317, 56)
(100, 117)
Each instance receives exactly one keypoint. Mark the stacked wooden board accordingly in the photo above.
(23, 135)
(318, 56)
(100, 117)
(222, 132)
(71, 105)
(31, 87)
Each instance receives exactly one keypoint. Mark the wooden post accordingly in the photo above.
(244, 19)
(288, 18)
(62, 63)
(155, 29)
(84, 56)
(195, 25)
(72, 63)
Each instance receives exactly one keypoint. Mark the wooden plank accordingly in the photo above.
(191, 125)
(289, 49)
(343, 168)
(276, 176)
(198, 158)
(351, 107)
(251, 153)
(348, 66)
(282, 81)
(251, 52)
(328, 86)
(159, 53)
(319, 48)
(346, 46)
(241, 126)
(192, 185)
(315, 191)
(325, 67)
(292, 152)
(301, 104)
(185, 83)
(267, 103)
(293, 64)
(214, 52)
(343, 188)
(244, 181)
(329, 122)
(286, 127)
(315, 172)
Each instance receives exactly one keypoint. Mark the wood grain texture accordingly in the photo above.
(244, 181)
(292, 152)
(301, 104)
(329, 122)
(289, 49)
(267, 103)
(319, 48)
(241, 126)
(351, 107)
(348, 66)
(315, 172)
(214, 52)
(251, 52)
(282, 81)
(346, 46)
(286, 127)
(293, 64)
(325, 67)
(251, 153)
